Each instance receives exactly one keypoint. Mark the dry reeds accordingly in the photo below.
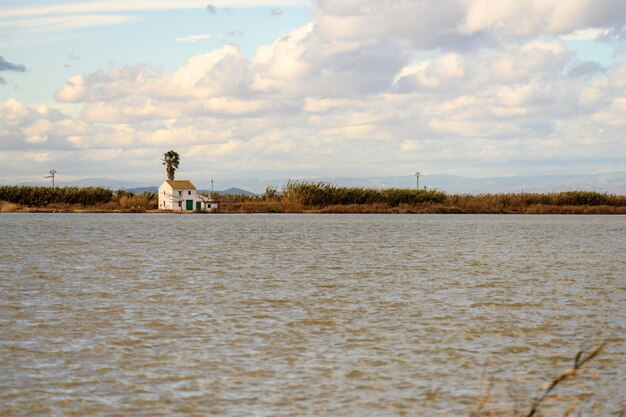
(580, 360)
(567, 202)
(6, 207)
(320, 197)
(327, 198)
(254, 206)
(322, 194)
(130, 202)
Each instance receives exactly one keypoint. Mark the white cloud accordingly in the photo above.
(426, 24)
(128, 110)
(59, 16)
(223, 72)
(55, 23)
(37, 132)
(443, 71)
(533, 17)
(366, 85)
(329, 67)
(586, 34)
(86, 7)
(193, 38)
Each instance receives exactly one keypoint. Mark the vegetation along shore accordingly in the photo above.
(308, 197)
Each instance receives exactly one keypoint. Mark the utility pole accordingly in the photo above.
(417, 176)
(52, 173)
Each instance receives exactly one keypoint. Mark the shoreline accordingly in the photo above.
(315, 198)
(540, 210)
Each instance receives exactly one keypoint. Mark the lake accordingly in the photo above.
(308, 315)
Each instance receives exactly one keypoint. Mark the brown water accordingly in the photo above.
(307, 315)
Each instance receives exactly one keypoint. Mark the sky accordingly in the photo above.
(299, 88)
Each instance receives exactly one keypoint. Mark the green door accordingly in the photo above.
(189, 204)
(198, 205)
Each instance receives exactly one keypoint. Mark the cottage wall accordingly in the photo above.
(169, 199)
(189, 199)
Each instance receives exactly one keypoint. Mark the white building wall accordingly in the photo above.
(169, 198)
(166, 200)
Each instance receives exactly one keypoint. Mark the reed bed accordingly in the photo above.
(43, 196)
(322, 194)
(328, 198)
(320, 197)
(536, 202)
(69, 199)
(128, 201)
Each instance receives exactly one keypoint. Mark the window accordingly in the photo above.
(188, 192)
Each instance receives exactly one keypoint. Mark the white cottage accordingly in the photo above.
(181, 195)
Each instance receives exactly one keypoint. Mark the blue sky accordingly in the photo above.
(293, 88)
(52, 55)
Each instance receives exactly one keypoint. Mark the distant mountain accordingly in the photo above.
(612, 183)
(230, 191)
(237, 191)
(95, 182)
(141, 190)
(103, 182)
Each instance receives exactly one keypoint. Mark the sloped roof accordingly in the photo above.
(181, 184)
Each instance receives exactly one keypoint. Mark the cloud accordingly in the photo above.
(465, 23)
(426, 24)
(58, 23)
(586, 34)
(116, 6)
(585, 68)
(619, 51)
(193, 38)
(63, 16)
(2, 81)
(35, 129)
(529, 18)
(364, 87)
(276, 12)
(7, 66)
(336, 68)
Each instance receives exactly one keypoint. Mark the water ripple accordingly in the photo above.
(289, 315)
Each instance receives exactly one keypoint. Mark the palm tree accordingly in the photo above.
(171, 160)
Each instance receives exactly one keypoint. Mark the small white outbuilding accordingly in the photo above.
(181, 195)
